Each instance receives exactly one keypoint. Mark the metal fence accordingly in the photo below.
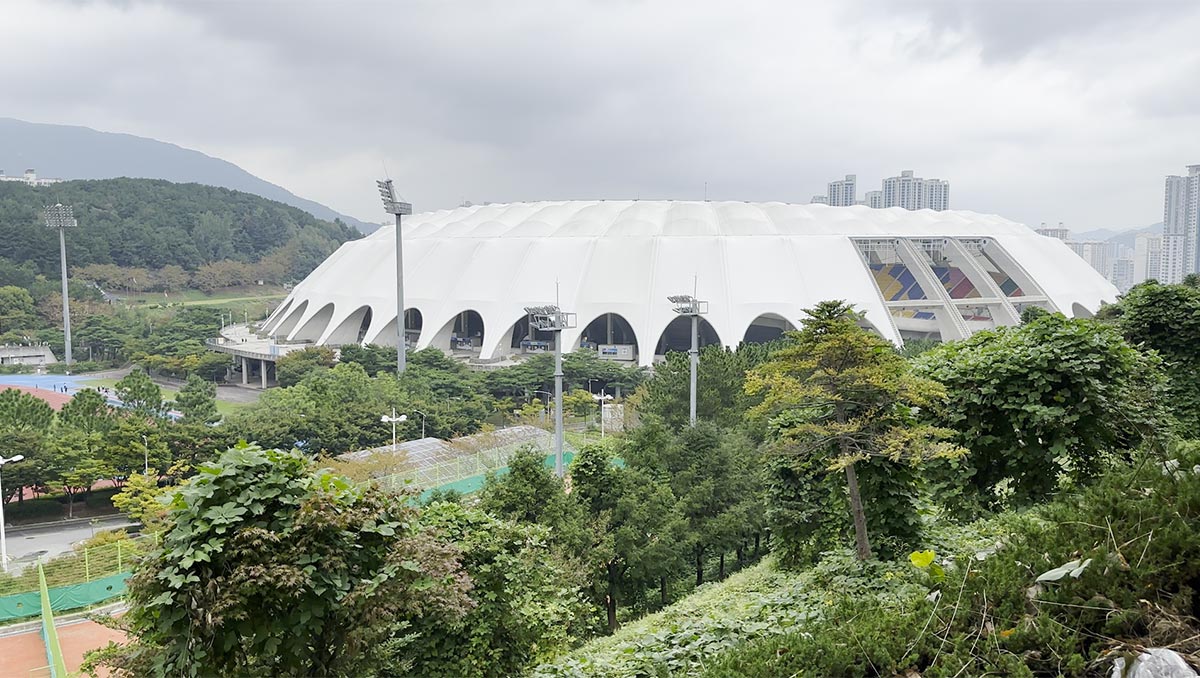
(84, 577)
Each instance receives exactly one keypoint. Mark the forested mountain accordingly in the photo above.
(150, 223)
(73, 152)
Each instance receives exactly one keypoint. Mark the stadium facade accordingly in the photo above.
(470, 272)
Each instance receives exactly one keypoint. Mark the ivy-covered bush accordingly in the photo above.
(1040, 403)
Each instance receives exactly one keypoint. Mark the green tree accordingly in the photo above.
(709, 472)
(21, 411)
(523, 594)
(140, 499)
(292, 368)
(1166, 318)
(1046, 399)
(530, 493)
(271, 567)
(87, 412)
(140, 395)
(30, 471)
(197, 400)
(843, 397)
(642, 531)
(76, 465)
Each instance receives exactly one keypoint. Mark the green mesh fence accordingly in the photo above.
(79, 579)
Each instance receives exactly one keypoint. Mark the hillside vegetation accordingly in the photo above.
(152, 224)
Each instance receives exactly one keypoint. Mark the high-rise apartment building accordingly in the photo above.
(819, 200)
(1061, 233)
(843, 193)
(1181, 226)
(914, 193)
(1147, 257)
(873, 199)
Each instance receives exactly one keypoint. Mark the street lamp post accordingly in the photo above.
(422, 421)
(601, 398)
(61, 217)
(393, 420)
(397, 208)
(546, 405)
(3, 539)
(553, 319)
(688, 305)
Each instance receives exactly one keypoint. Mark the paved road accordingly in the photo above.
(27, 544)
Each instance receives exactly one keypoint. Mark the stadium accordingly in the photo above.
(470, 272)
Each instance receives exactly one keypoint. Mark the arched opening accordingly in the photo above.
(289, 322)
(678, 335)
(413, 323)
(611, 336)
(277, 317)
(1078, 310)
(524, 339)
(352, 329)
(462, 334)
(767, 327)
(315, 327)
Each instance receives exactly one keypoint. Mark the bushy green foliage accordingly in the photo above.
(272, 567)
(1050, 398)
(293, 367)
(22, 411)
(525, 598)
(1166, 318)
(140, 395)
(720, 376)
(1132, 554)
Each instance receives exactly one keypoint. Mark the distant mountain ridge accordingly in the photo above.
(72, 152)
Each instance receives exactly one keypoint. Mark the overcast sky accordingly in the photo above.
(1038, 111)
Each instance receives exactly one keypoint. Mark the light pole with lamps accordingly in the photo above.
(3, 540)
(422, 421)
(393, 420)
(553, 319)
(61, 217)
(688, 305)
(601, 397)
(397, 208)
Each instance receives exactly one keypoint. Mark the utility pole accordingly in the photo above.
(688, 305)
(393, 206)
(62, 217)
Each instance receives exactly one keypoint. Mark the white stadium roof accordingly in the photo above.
(913, 273)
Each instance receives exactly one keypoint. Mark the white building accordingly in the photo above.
(470, 272)
(873, 199)
(914, 193)
(1181, 226)
(819, 200)
(29, 178)
(843, 193)
(1147, 257)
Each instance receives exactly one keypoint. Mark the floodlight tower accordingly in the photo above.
(552, 319)
(398, 208)
(62, 217)
(688, 305)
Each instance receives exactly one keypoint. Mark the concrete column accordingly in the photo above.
(263, 365)
(245, 370)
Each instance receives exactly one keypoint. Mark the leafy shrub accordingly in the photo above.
(1111, 567)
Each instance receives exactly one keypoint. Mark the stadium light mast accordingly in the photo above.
(552, 319)
(62, 217)
(398, 208)
(688, 305)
